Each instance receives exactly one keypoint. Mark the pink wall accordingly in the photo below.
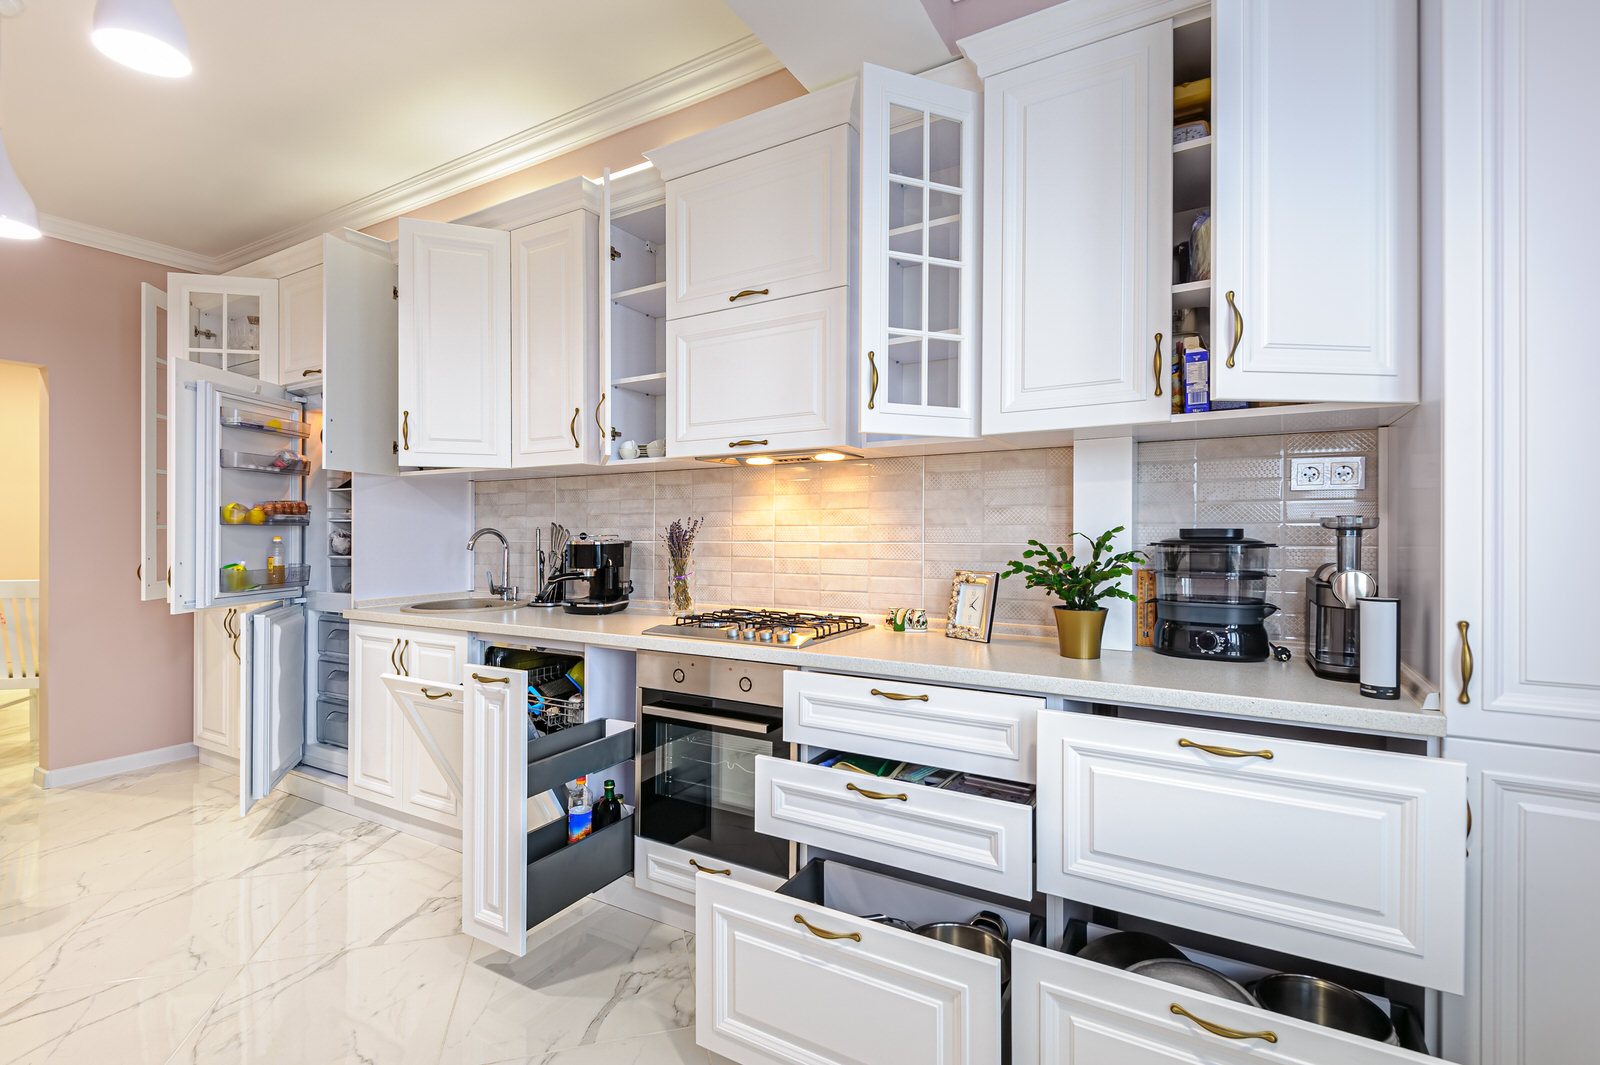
(118, 674)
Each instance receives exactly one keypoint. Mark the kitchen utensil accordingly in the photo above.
(1333, 625)
(1350, 586)
(1195, 977)
(656, 449)
(986, 933)
(1324, 1002)
(1122, 949)
(893, 922)
(1211, 587)
(629, 449)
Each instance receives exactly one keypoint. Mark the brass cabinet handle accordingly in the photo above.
(713, 872)
(1238, 328)
(138, 572)
(1466, 663)
(872, 364)
(405, 430)
(229, 627)
(573, 428)
(491, 680)
(1225, 752)
(1226, 1033)
(747, 292)
(1469, 818)
(1158, 364)
(876, 794)
(426, 694)
(746, 443)
(394, 651)
(823, 933)
(308, 373)
(900, 698)
(403, 670)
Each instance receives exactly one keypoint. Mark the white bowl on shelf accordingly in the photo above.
(656, 449)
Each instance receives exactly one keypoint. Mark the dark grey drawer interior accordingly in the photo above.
(561, 873)
(575, 752)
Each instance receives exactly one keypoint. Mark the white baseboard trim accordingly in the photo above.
(81, 774)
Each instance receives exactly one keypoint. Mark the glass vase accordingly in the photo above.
(680, 585)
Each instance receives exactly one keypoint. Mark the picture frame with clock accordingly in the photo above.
(971, 614)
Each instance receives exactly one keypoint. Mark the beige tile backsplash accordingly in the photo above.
(851, 537)
(863, 536)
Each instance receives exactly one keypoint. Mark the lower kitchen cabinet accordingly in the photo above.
(675, 873)
(387, 766)
(216, 681)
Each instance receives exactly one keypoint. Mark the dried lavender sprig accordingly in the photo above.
(679, 537)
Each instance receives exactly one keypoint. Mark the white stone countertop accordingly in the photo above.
(1272, 691)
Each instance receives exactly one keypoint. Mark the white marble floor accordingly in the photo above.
(143, 922)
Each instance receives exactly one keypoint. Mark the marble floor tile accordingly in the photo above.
(594, 974)
(135, 1022)
(369, 905)
(658, 1048)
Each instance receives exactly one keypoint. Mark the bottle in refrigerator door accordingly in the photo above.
(608, 811)
(275, 561)
(580, 812)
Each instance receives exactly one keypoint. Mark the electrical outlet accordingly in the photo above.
(1308, 474)
(1347, 472)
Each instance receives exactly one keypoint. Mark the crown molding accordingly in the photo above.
(133, 247)
(699, 79)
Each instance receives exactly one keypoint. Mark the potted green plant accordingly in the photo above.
(1081, 586)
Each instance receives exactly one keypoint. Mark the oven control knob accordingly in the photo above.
(744, 684)
(732, 633)
(677, 676)
(766, 635)
(749, 634)
(1207, 642)
(785, 635)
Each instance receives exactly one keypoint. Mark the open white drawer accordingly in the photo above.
(981, 842)
(955, 728)
(1068, 1010)
(1345, 855)
(675, 873)
(796, 977)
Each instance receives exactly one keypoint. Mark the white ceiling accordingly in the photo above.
(306, 113)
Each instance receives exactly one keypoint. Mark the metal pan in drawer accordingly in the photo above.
(966, 839)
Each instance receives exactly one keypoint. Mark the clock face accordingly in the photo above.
(969, 608)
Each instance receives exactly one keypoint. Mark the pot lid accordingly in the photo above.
(1207, 537)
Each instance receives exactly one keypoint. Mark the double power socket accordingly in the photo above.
(1308, 475)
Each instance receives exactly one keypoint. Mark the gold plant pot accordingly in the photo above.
(1079, 632)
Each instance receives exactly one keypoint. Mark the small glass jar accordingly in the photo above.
(680, 584)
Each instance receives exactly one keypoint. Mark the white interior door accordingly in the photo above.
(153, 428)
(272, 727)
(361, 328)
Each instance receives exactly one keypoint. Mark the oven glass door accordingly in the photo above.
(697, 784)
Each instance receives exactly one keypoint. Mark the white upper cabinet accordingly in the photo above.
(555, 333)
(1314, 245)
(775, 223)
(300, 325)
(226, 323)
(455, 345)
(359, 389)
(919, 235)
(1077, 236)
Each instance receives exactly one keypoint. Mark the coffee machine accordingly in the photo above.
(594, 577)
(1333, 625)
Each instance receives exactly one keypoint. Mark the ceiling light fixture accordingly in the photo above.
(146, 35)
(19, 220)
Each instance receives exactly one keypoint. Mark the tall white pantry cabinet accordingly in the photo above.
(1489, 499)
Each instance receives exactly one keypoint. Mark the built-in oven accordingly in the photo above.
(702, 724)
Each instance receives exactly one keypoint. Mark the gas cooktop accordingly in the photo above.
(783, 627)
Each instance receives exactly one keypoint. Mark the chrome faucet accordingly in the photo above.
(505, 590)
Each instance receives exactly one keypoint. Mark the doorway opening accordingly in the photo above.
(22, 464)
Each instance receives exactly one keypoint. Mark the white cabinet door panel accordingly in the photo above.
(675, 873)
(1315, 231)
(773, 374)
(300, 325)
(360, 385)
(494, 832)
(272, 719)
(1077, 236)
(455, 345)
(778, 220)
(435, 660)
(978, 842)
(374, 741)
(216, 681)
(555, 330)
(1348, 856)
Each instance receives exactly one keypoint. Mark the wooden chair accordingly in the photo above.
(19, 637)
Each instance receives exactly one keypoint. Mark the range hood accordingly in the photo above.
(784, 458)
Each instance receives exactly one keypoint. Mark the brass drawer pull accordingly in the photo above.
(746, 443)
(713, 872)
(573, 428)
(1158, 364)
(899, 698)
(308, 373)
(1226, 1033)
(426, 694)
(1466, 663)
(823, 933)
(872, 393)
(876, 794)
(1225, 752)
(737, 296)
(491, 680)
(1238, 328)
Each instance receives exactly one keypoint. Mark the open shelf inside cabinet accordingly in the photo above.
(646, 384)
(649, 300)
(637, 260)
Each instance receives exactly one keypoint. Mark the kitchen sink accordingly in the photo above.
(458, 604)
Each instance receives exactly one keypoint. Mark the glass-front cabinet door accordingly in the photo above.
(919, 242)
(226, 323)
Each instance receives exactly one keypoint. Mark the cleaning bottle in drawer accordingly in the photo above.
(608, 811)
(580, 812)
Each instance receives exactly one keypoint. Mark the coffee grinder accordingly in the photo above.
(1333, 623)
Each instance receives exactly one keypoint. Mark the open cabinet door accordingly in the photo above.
(272, 726)
(494, 824)
(361, 333)
(153, 427)
(433, 711)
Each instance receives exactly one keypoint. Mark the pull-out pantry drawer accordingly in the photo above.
(798, 977)
(981, 842)
(676, 873)
(1350, 856)
(1068, 1011)
(955, 728)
